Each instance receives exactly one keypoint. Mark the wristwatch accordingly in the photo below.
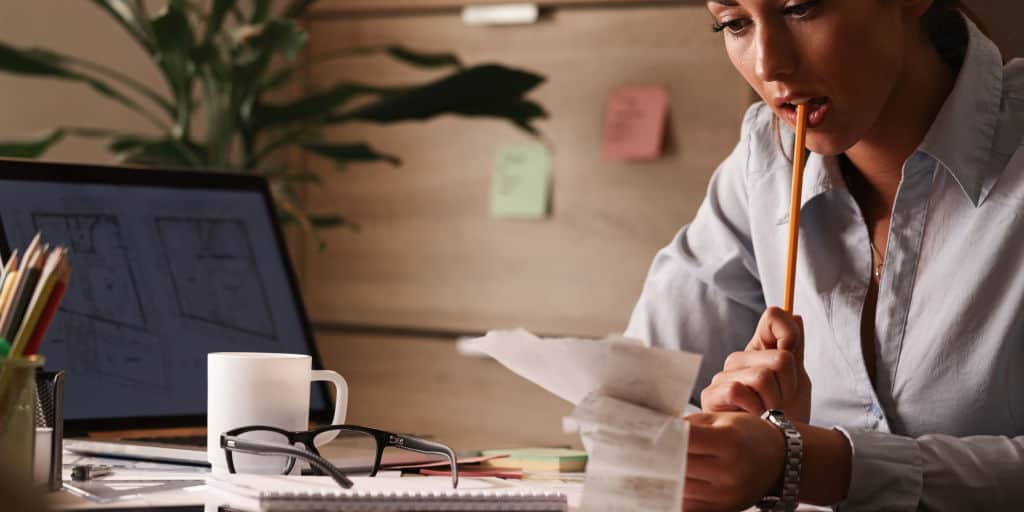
(789, 496)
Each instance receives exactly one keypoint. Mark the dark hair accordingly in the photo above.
(945, 28)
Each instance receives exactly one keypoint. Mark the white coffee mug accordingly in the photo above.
(249, 388)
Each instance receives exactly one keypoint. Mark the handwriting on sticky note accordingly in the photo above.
(634, 124)
(520, 187)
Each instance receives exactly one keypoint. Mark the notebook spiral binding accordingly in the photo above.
(413, 501)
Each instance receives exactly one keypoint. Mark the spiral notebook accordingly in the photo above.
(273, 493)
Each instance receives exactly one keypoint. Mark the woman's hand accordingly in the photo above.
(769, 374)
(733, 461)
(736, 458)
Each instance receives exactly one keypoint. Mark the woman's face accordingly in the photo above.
(843, 57)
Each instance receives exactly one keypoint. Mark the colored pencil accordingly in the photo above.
(48, 278)
(10, 275)
(794, 204)
(22, 297)
(48, 314)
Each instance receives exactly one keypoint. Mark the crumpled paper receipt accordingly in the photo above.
(629, 403)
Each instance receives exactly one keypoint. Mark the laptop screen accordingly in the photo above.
(167, 267)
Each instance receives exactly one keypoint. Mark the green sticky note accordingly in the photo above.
(521, 185)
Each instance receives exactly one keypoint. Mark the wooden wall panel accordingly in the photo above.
(423, 386)
(428, 256)
(361, 6)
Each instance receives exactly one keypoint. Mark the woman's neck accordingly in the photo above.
(909, 112)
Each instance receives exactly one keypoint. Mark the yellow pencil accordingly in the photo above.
(7, 293)
(9, 269)
(794, 204)
(41, 296)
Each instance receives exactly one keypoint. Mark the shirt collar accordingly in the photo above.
(960, 138)
(962, 135)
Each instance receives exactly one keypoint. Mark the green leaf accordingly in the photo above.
(481, 90)
(30, 148)
(146, 151)
(422, 59)
(34, 61)
(45, 63)
(317, 106)
(174, 42)
(520, 112)
(260, 11)
(278, 78)
(215, 21)
(326, 221)
(345, 153)
(415, 58)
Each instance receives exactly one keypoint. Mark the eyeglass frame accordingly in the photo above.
(230, 442)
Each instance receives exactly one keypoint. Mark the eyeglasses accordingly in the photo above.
(355, 449)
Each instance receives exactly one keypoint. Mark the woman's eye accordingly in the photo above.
(733, 26)
(801, 10)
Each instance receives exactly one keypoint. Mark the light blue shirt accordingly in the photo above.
(944, 427)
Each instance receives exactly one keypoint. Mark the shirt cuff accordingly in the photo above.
(887, 472)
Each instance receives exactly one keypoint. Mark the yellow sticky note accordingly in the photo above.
(521, 185)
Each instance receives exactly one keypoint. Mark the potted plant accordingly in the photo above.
(226, 62)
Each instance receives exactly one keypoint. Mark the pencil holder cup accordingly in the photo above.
(49, 428)
(17, 414)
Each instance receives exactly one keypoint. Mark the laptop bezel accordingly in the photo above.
(33, 170)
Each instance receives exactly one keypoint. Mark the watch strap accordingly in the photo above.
(789, 495)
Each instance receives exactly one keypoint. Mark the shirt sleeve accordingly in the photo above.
(934, 472)
(702, 293)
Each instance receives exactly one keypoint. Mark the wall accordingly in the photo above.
(429, 263)
(30, 106)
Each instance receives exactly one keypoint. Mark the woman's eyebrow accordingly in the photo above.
(727, 3)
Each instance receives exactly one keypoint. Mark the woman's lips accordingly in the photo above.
(817, 108)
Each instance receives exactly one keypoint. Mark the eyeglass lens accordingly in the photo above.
(268, 464)
(353, 452)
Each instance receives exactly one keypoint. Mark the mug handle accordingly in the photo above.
(341, 395)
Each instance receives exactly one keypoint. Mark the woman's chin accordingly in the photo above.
(827, 144)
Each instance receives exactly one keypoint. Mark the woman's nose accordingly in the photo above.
(775, 57)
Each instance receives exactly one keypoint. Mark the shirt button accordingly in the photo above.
(876, 411)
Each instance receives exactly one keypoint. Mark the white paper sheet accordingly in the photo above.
(618, 367)
(629, 400)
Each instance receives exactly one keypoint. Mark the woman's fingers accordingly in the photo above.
(783, 365)
(734, 395)
(778, 330)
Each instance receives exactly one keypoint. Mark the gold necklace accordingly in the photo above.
(877, 261)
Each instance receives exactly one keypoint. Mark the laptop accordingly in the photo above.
(167, 267)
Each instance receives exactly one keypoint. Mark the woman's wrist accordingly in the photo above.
(825, 475)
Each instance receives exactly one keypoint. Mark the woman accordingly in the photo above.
(908, 279)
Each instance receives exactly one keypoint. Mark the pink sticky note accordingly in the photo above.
(634, 123)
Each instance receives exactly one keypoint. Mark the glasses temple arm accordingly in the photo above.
(256, 448)
(427, 447)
